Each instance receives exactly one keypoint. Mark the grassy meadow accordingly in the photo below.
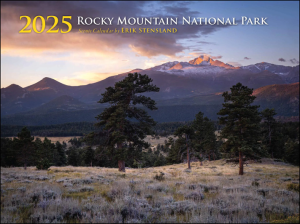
(153, 141)
(214, 192)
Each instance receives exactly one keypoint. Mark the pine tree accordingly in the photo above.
(291, 151)
(25, 150)
(73, 157)
(49, 151)
(89, 155)
(269, 125)
(210, 140)
(125, 124)
(187, 133)
(175, 150)
(242, 123)
(160, 161)
(8, 154)
(204, 141)
(61, 153)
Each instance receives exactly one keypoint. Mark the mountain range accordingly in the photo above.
(197, 82)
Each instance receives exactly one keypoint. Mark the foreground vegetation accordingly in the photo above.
(267, 192)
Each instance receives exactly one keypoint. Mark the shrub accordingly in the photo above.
(107, 196)
(148, 196)
(41, 178)
(284, 179)
(43, 164)
(122, 175)
(192, 186)
(159, 177)
(294, 187)
(194, 196)
(290, 219)
(124, 213)
(255, 183)
(71, 190)
(86, 188)
(48, 194)
(22, 189)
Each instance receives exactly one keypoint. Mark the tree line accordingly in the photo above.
(25, 151)
(80, 129)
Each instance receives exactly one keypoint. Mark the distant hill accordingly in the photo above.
(48, 83)
(61, 103)
(283, 98)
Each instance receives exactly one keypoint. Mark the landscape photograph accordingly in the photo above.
(149, 112)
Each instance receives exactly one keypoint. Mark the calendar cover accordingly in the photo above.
(149, 111)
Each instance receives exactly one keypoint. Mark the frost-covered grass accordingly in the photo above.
(209, 193)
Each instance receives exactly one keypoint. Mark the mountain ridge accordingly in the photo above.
(200, 76)
(64, 102)
(284, 98)
(255, 68)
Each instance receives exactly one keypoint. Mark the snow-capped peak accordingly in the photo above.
(201, 60)
(203, 65)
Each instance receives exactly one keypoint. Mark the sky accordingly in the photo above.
(79, 58)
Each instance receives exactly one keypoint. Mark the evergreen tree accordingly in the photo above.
(46, 154)
(89, 155)
(75, 142)
(242, 123)
(210, 141)
(39, 150)
(61, 154)
(25, 148)
(291, 152)
(90, 139)
(204, 141)
(73, 157)
(4, 150)
(64, 145)
(175, 151)
(49, 153)
(268, 129)
(125, 124)
(102, 157)
(160, 161)
(163, 148)
(187, 133)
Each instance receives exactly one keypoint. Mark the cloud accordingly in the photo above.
(206, 42)
(246, 58)
(281, 59)
(198, 49)
(148, 45)
(199, 53)
(196, 54)
(235, 64)
(84, 78)
(294, 61)
(217, 57)
(177, 11)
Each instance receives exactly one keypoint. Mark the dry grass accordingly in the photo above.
(59, 139)
(55, 139)
(209, 193)
(153, 141)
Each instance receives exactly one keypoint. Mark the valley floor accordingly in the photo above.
(209, 193)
